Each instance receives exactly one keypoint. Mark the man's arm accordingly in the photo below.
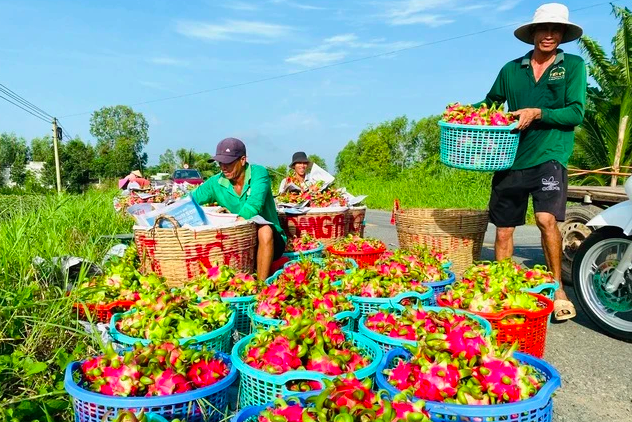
(259, 190)
(204, 193)
(497, 94)
(575, 100)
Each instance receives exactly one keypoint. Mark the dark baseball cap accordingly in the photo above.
(229, 150)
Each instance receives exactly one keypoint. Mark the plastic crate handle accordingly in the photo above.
(409, 295)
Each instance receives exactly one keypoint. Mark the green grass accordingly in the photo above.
(39, 334)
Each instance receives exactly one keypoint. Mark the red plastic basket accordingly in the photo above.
(531, 335)
(363, 259)
(102, 313)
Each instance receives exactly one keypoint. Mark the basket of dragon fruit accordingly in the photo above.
(419, 264)
(174, 316)
(133, 416)
(346, 318)
(235, 288)
(333, 267)
(375, 287)
(342, 399)
(270, 359)
(364, 251)
(303, 246)
(482, 139)
(469, 382)
(391, 328)
(145, 378)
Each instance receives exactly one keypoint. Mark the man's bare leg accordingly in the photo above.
(504, 245)
(552, 246)
(265, 251)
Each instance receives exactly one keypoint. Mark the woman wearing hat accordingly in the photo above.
(299, 172)
(546, 90)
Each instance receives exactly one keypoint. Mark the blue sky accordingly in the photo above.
(71, 57)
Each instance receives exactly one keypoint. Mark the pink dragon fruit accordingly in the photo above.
(437, 381)
(168, 382)
(119, 379)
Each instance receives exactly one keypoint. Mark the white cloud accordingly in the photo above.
(316, 58)
(296, 5)
(341, 39)
(292, 121)
(410, 12)
(241, 6)
(427, 19)
(168, 61)
(507, 5)
(237, 30)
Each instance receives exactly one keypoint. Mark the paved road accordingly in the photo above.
(596, 370)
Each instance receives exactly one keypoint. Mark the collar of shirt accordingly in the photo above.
(526, 60)
(225, 183)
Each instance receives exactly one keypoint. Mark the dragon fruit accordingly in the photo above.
(225, 281)
(302, 243)
(369, 282)
(167, 383)
(354, 243)
(207, 372)
(483, 115)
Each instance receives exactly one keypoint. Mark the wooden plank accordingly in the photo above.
(617, 155)
(602, 194)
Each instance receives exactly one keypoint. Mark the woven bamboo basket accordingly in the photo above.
(458, 232)
(180, 254)
(325, 226)
(356, 220)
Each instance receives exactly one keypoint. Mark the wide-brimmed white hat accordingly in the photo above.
(549, 13)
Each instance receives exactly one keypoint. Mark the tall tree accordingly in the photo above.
(121, 135)
(316, 159)
(167, 162)
(41, 148)
(609, 101)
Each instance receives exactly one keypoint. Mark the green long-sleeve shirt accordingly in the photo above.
(561, 95)
(255, 199)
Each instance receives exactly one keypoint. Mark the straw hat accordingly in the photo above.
(549, 13)
(137, 173)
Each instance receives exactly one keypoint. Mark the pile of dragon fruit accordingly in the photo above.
(303, 243)
(225, 281)
(496, 286)
(354, 243)
(119, 281)
(481, 116)
(381, 281)
(416, 324)
(465, 369)
(129, 416)
(310, 342)
(301, 286)
(158, 369)
(346, 399)
(174, 315)
(417, 265)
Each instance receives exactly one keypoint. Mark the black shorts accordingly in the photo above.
(546, 183)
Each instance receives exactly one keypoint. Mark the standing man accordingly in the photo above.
(299, 176)
(244, 189)
(546, 91)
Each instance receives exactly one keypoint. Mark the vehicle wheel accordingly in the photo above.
(594, 261)
(574, 231)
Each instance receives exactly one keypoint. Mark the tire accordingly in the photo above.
(574, 231)
(584, 289)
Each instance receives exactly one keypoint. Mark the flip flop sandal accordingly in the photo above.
(563, 310)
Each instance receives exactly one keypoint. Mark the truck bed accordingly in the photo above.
(607, 195)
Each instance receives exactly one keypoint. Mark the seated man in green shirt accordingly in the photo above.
(244, 189)
(546, 90)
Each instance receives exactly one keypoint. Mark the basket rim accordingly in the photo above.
(238, 299)
(440, 283)
(125, 339)
(497, 316)
(411, 294)
(298, 254)
(400, 342)
(480, 128)
(239, 225)
(538, 401)
(77, 392)
(281, 379)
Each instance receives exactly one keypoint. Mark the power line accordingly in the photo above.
(27, 110)
(24, 102)
(341, 63)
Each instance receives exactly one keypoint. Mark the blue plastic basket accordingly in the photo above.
(387, 343)
(258, 387)
(218, 340)
(250, 413)
(265, 323)
(153, 417)
(439, 286)
(545, 289)
(201, 405)
(319, 261)
(369, 305)
(240, 305)
(538, 408)
(447, 266)
(312, 253)
(481, 148)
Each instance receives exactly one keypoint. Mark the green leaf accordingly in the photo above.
(36, 368)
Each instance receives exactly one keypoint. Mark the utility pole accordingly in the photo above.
(617, 155)
(56, 149)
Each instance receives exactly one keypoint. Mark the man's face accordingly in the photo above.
(548, 36)
(233, 170)
(301, 168)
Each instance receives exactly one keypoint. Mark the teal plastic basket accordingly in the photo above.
(312, 253)
(242, 319)
(545, 289)
(480, 148)
(218, 339)
(152, 417)
(369, 305)
(387, 343)
(258, 387)
(259, 321)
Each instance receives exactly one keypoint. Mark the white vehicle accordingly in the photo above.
(602, 269)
